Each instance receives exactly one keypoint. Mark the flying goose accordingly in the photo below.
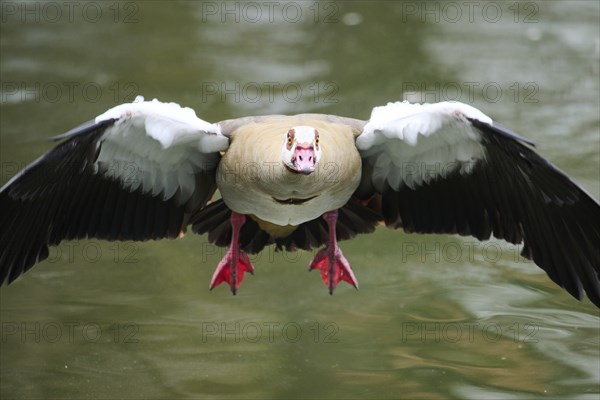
(148, 170)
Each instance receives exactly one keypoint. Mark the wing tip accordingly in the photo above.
(82, 129)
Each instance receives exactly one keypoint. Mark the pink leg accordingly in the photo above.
(332, 263)
(235, 262)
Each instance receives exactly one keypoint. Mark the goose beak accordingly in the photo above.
(304, 159)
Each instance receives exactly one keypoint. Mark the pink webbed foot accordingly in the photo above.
(334, 268)
(235, 262)
(332, 263)
(231, 270)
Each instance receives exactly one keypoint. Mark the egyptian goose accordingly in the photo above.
(148, 170)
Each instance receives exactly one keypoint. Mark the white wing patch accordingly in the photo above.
(411, 144)
(158, 147)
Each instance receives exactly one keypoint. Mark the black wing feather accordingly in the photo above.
(518, 196)
(61, 196)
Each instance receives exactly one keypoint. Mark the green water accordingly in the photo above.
(436, 316)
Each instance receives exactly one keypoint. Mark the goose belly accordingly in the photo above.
(253, 180)
(287, 200)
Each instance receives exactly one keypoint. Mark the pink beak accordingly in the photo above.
(304, 159)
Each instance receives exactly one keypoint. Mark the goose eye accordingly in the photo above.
(317, 141)
(289, 141)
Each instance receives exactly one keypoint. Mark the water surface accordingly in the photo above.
(436, 316)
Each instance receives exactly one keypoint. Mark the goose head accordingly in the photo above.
(301, 150)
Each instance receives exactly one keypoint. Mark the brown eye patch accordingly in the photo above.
(317, 139)
(290, 138)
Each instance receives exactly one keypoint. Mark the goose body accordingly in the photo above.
(253, 180)
(150, 170)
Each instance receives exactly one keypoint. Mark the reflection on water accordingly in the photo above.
(137, 321)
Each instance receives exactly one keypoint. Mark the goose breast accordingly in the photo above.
(253, 179)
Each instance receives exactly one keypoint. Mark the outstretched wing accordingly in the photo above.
(134, 173)
(447, 168)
